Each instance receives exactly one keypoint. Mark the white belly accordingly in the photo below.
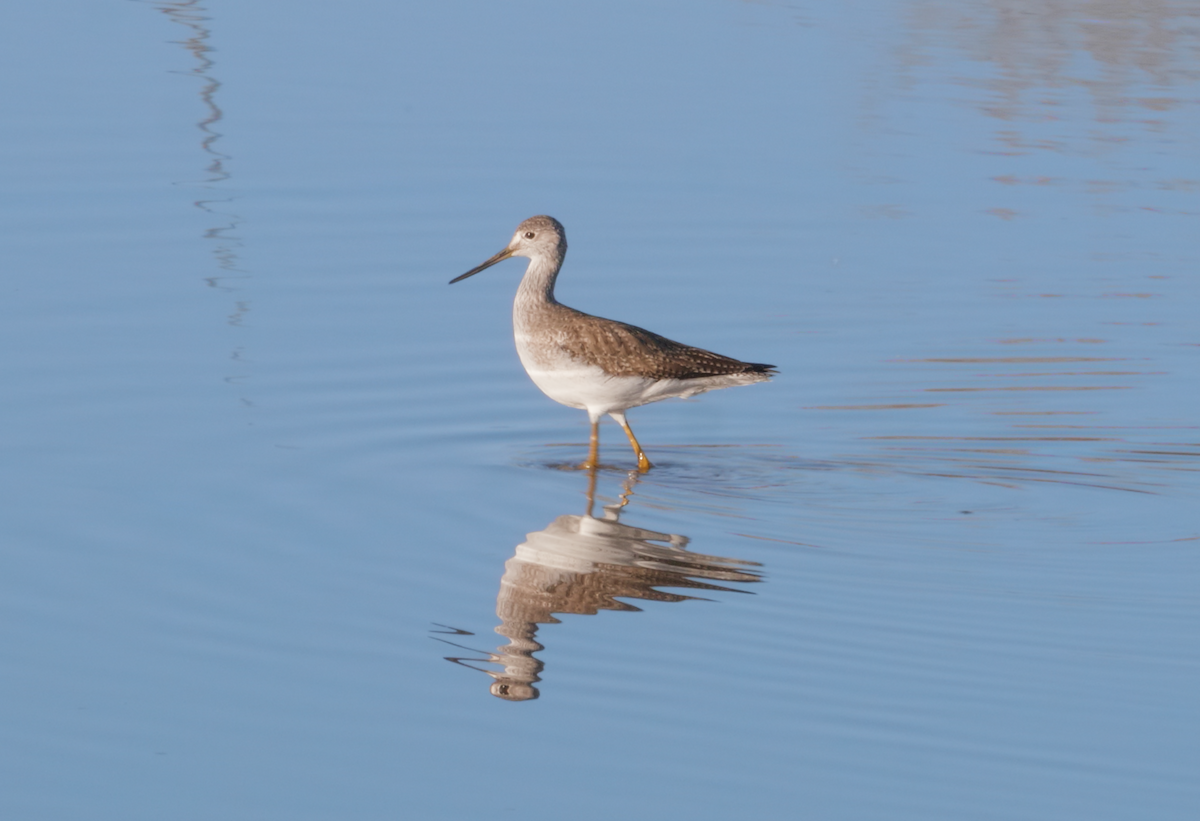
(588, 387)
(579, 385)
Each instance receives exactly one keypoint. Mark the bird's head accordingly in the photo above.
(539, 236)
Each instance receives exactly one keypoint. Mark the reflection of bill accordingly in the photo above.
(582, 565)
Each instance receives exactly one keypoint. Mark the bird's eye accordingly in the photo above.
(528, 235)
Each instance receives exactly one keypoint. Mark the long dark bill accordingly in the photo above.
(500, 257)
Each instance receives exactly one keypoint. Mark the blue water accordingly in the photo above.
(266, 471)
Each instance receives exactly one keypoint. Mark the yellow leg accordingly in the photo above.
(643, 463)
(593, 459)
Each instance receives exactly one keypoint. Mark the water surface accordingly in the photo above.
(267, 471)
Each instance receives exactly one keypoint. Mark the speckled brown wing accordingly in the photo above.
(627, 350)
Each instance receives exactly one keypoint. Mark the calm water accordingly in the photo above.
(266, 472)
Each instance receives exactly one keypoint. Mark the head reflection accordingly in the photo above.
(585, 564)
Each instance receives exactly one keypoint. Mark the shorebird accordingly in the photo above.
(600, 365)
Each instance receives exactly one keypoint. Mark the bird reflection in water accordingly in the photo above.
(582, 565)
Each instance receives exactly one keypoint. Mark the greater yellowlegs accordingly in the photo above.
(600, 365)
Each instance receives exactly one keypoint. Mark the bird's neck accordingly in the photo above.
(537, 288)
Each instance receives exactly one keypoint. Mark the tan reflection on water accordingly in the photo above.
(582, 565)
(1035, 48)
(1077, 78)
